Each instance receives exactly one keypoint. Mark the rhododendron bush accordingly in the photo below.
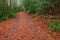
(42, 6)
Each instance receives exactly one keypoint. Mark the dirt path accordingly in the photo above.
(21, 29)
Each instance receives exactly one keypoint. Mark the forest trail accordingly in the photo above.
(19, 28)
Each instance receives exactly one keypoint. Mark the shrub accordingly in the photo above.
(29, 5)
(54, 25)
(42, 6)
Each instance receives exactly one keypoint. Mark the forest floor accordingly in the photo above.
(24, 27)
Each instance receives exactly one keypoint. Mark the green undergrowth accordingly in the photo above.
(42, 7)
(54, 25)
